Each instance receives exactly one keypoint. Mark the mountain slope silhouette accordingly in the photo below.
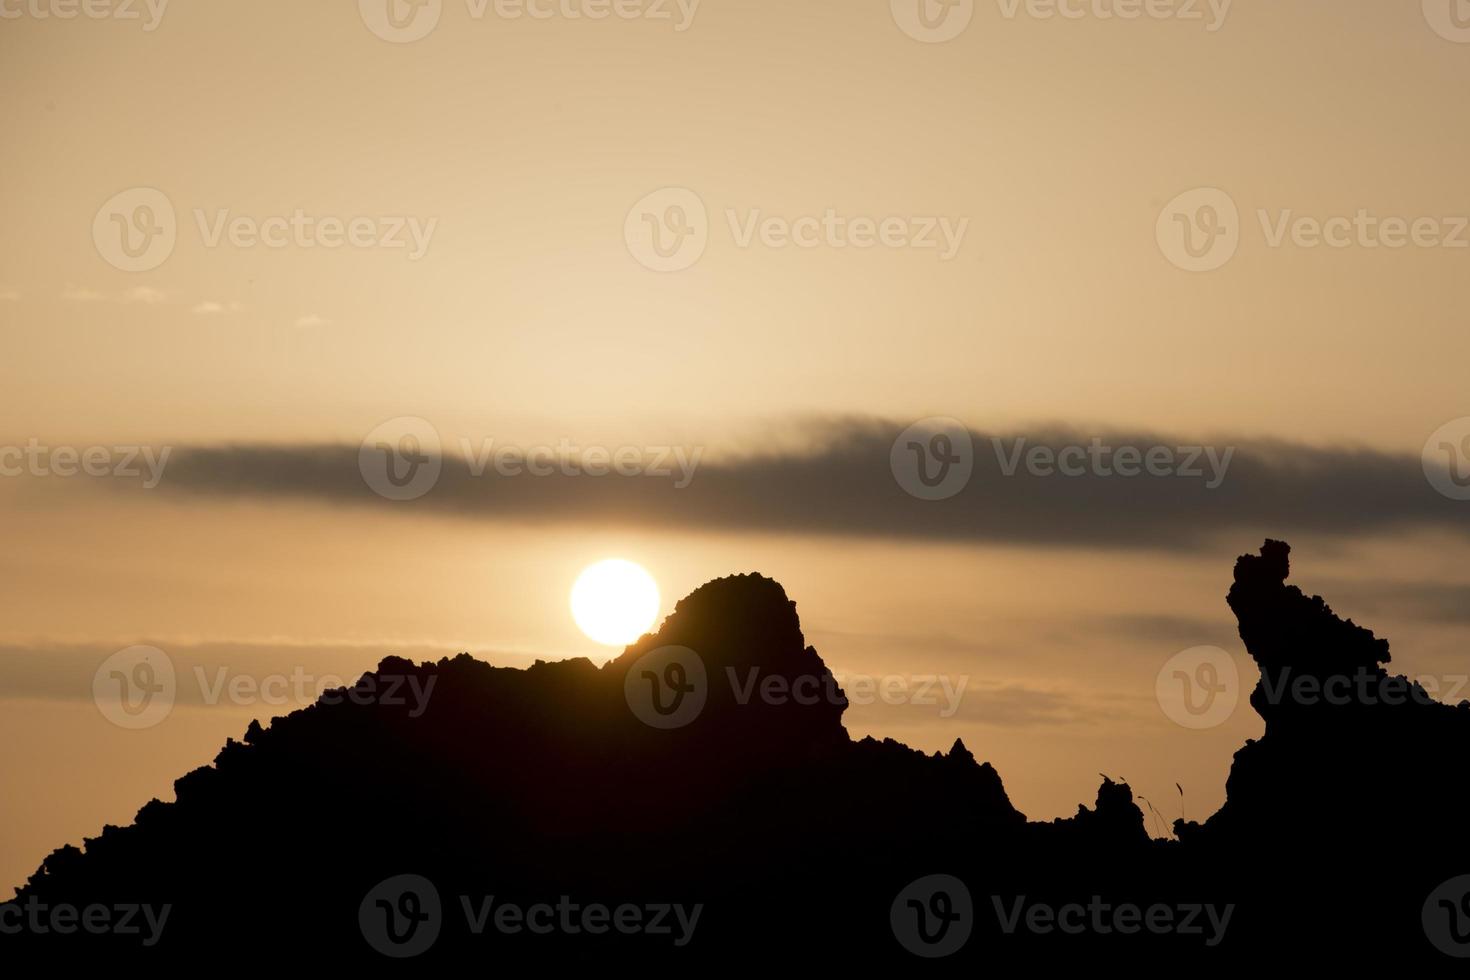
(701, 791)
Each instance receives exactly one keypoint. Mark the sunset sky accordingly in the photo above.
(515, 160)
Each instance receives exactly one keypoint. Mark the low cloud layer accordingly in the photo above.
(845, 484)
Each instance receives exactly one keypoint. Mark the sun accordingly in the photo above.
(615, 602)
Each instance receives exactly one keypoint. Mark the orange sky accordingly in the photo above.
(512, 155)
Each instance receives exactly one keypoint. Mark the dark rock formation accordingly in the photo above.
(707, 767)
(1350, 809)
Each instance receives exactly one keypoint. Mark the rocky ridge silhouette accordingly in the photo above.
(364, 833)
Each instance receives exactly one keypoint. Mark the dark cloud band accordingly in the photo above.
(1052, 487)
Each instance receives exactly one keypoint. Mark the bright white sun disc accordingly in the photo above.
(615, 602)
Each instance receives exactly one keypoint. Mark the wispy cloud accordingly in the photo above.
(147, 295)
(311, 320)
(213, 308)
(8, 295)
(79, 294)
